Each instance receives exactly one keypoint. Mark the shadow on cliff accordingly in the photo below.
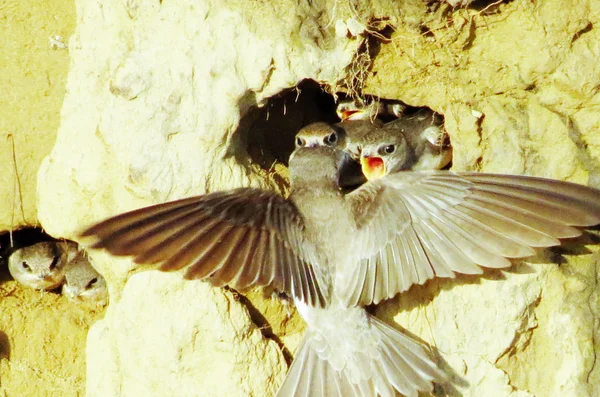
(4, 346)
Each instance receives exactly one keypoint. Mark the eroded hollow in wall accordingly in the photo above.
(13, 240)
(42, 334)
(268, 133)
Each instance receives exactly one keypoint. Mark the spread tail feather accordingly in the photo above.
(399, 364)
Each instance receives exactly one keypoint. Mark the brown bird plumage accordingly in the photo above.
(242, 238)
(334, 252)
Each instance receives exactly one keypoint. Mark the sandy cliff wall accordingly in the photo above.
(42, 335)
(161, 103)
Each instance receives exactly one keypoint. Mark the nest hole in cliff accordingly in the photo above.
(41, 331)
(269, 131)
(11, 241)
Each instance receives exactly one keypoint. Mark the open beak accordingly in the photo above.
(373, 167)
(352, 115)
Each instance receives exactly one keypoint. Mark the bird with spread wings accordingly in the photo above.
(335, 251)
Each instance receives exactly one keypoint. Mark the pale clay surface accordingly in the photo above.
(32, 90)
(152, 102)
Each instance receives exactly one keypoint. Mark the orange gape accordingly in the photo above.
(373, 167)
(347, 114)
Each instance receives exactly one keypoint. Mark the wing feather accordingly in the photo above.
(242, 238)
(413, 226)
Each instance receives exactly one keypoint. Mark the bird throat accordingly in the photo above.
(373, 167)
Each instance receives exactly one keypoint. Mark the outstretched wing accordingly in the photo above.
(413, 226)
(243, 238)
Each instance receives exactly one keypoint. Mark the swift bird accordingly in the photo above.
(416, 142)
(41, 266)
(387, 158)
(344, 136)
(334, 252)
(83, 283)
(428, 142)
(349, 109)
(247, 237)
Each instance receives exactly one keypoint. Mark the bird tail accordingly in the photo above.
(395, 362)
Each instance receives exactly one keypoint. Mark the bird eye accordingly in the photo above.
(25, 265)
(330, 139)
(91, 283)
(300, 142)
(54, 263)
(389, 149)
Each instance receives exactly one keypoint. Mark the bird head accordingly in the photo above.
(432, 148)
(350, 110)
(337, 136)
(317, 165)
(320, 134)
(39, 266)
(370, 109)
(379, 159)
(83, 283)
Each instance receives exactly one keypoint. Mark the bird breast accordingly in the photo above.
(326, 219)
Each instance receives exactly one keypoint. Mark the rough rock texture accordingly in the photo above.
(32, 86)
(156, 94)
(42, 336)
(217, 335)
(518, 87)
(42, 342)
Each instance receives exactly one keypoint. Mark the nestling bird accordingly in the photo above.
(344, 136)
(83, 283)
(335, 252)
(349, 109)
(415, 142)
(425, 136)
(40, 266)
